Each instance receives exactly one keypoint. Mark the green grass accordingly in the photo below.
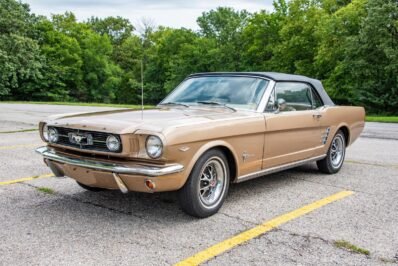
(384, 119)
(133, 106)
(46, 190)
(22, 130)
(351, 247)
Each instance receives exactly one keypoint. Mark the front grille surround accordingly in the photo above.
(98, 139)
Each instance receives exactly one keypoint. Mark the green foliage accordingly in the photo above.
(20, 60)
(117, 28)
(63, 70)
(351, 45)
(225, 27)
(20, 65)
(374, 58)
(335, 34)
(15, 18)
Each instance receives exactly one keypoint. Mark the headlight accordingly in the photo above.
(113, 143)
(154, 147)
(53, 135)
(45, 132)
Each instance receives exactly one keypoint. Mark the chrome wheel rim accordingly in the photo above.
(212, 182)
(337, 151)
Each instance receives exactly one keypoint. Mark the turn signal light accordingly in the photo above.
(150, 184)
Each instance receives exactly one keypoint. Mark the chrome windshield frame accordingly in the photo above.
(262, 103)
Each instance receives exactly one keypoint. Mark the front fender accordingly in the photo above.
(205, 147)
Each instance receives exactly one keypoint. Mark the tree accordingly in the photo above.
(225, 26)
(117, 28)
(166, 45)
(260, 37)
(100, 74)
(63, 75)
(373, 58)
(351, 45)
(335, 34)
(21, 63)
(295, 51)
(128, 56)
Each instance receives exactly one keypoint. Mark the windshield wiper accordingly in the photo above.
(217, 103)
(174, 103)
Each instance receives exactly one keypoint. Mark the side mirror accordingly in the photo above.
(279, 104)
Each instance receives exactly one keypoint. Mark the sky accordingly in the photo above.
(172, 13)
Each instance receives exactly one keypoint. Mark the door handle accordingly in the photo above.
(317, 115)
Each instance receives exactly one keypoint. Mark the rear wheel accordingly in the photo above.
(207, 186)
(334, 159)
(93, 189)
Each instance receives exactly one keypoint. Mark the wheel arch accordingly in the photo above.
(226, 148)
(346, 131)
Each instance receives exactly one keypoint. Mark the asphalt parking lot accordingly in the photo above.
(49, 220)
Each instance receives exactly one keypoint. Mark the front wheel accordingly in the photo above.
(207, 186)
(334, 159)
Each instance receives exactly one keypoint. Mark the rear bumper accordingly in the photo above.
(139, 169)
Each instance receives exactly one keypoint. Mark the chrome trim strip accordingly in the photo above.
(278, 168)
(266, 95)
(50, 154)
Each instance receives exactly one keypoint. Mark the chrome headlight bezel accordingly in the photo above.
(113, 143)
(154, 146)
(44, 132)
(52, 135)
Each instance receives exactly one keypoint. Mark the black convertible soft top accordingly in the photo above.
(316, 84)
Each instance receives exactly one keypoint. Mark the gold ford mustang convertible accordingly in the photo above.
(212, 130)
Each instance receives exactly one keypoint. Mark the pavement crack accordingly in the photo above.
(309, 237)
(98, 205)
(305, 236)
(88, 202)
(238, 218)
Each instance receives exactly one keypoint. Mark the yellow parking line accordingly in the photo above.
(9, 182)
(232, 242)
(18, 146)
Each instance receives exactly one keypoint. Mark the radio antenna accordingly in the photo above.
(142, 89)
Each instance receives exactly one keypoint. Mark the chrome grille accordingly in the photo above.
(98, 139)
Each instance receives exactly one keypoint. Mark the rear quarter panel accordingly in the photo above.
(336, 117)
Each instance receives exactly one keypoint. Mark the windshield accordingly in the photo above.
(231, 91)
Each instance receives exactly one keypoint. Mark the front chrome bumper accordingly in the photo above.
(139, 169)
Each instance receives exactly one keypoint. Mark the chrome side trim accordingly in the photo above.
(278, 168)
(139, 169)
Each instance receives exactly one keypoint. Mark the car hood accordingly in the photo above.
(157, 120)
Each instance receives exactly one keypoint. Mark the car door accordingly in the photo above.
(292, 125)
